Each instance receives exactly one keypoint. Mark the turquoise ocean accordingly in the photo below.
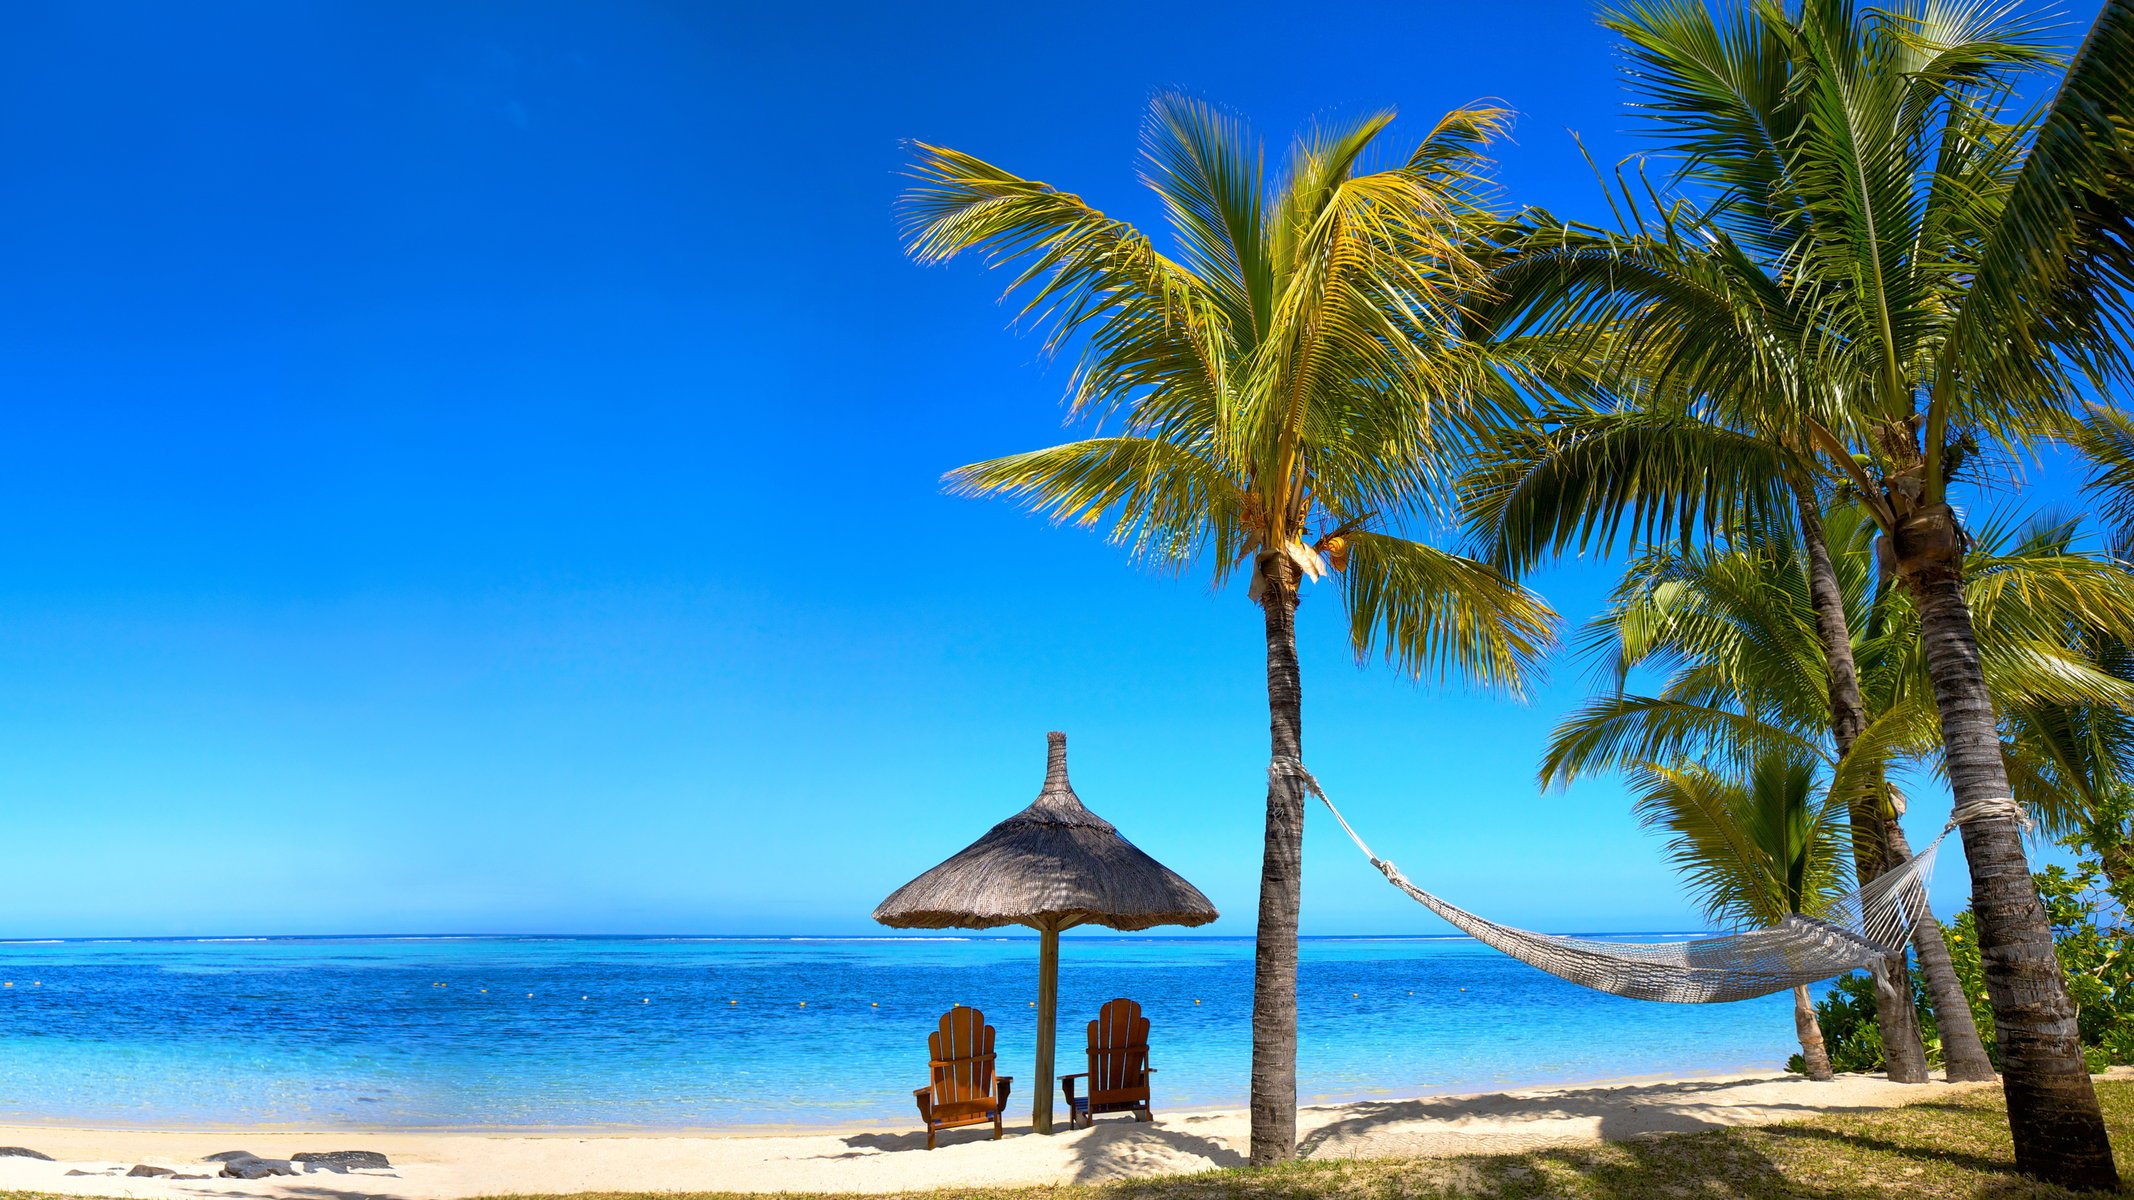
(682, 1033)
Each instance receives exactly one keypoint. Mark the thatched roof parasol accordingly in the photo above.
(1052, 866)
(1053, 861)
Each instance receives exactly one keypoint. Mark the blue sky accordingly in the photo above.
(475, 468)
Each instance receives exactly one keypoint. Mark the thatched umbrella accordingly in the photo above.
(1052, 866)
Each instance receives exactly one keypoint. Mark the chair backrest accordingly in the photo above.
(1118, 1053)
(963, 1057)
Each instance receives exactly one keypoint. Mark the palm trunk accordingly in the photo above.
(2058, 1130)
(1963, 1055)
(1904, 1055)
(1274, 963)
(1810, 1030)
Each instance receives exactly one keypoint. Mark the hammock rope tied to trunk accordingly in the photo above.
(1856, 931)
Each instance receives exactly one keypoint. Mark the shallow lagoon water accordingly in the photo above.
(676, 1033)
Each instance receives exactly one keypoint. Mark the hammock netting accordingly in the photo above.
(1857, 931)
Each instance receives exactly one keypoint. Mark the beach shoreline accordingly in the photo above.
(885, 1158)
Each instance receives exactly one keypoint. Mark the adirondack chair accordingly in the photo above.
(964, 1090)
(1119, 1068)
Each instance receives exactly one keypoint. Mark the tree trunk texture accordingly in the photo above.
(1963, 1054)
(2053, 1116)
(1274, 964)
(1904, 1054)
(1810, 1030)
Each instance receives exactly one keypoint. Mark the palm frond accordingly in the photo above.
(1587, 479)
(1153, 324)
(1158, 499)
(1619, 732)
(1753, 846)
(1433, 612)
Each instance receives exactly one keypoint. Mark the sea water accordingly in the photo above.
(678, 1033)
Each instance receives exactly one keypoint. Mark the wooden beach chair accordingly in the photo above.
(964, 1090)
(1119, 1068)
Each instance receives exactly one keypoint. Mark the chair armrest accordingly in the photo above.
(1001, 1083)
(924, 1098)
(1076, 1075)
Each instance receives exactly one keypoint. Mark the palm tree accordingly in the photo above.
(1944, 274)
(1291, 390)
(1756, 847)
(1733, 629)
(1666, 463)
(1701, 345)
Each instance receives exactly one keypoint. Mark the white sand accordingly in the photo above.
(439, 1166)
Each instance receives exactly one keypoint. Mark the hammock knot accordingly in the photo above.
(1282, 765)
(1991, 806)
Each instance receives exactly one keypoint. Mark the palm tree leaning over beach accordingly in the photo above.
(1755, 846)
(1948, 275)
(1290, 393)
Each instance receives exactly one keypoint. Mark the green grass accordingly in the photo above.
(1952, 1146)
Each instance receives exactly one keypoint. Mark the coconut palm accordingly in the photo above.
(1755, 846)
(1290, 390)
(1663, 462)
(1945, 275)
(1733, 630)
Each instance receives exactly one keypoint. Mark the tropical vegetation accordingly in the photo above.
(1291, 392)
(1877, 266)
(1733, 631)
(1867, 271)
(1757, 846)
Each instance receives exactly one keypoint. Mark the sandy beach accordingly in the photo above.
(442, 1166)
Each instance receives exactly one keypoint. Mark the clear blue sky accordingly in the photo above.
(473, 467)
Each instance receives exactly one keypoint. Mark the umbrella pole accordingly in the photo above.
(1048, 1000)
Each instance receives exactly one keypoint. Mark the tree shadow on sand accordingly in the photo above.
(1614, 1113)
(1110, 1150)
(1124, 1149)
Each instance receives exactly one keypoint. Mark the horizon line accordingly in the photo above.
(969, 936)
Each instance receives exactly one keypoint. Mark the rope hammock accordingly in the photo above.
(1856, 931)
